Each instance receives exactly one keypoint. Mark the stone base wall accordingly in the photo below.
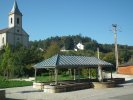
(38, 86)
(101, 85)
(66, 87)
(2, 94)
(127, 70)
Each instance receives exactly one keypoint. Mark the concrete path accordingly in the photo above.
(28, 93)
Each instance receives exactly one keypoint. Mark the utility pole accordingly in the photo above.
(100, 76)
(114, 29)
(98, 53)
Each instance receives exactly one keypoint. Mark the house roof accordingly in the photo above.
(66, 61)
(15, 9)
(4, 30)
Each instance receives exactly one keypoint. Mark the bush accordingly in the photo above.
(2, 79)
(45, 74)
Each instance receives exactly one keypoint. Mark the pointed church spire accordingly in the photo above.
(15, 9)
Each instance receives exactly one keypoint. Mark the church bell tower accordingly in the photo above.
(15, 18)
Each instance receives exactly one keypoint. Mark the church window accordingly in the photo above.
(18, 38)
(11, 20)
(17, 20)
(3, 40)
(18, 30)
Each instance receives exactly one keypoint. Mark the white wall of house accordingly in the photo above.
(2, 40)
(80, 46)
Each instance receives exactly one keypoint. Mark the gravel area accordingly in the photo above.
(28, 93)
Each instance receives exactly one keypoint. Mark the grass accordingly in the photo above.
(10, 83)
(49, 78)
(60, 77)
(13, 83)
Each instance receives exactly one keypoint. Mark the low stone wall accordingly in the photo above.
(115, 80)
(66, 87)
(50, 89)
(38, 86)
(127, 70)
(101, 85)
(119, 80)
(2, 94)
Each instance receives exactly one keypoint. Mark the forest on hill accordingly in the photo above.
(18, 62)
(70, 41)
(90, 47)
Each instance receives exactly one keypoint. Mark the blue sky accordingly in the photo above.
(92, 18)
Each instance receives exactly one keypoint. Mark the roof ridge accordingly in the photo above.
(74, 55)
(57, 59)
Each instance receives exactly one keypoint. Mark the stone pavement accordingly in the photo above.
(28, 93)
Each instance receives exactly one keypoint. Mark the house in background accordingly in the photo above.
(14, 34)
(79, 46)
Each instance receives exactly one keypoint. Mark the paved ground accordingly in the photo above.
(28, 93)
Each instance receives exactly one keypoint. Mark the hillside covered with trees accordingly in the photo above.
(18, 62)
(106, 50)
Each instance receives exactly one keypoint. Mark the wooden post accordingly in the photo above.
(78, 75)
(50, 75)
(74, 74)
(56, 76)
(90, 73)
(100, 74)
(111, 73)
(97, 75)
(70, 73)
(35, 74)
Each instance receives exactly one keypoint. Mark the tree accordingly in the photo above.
(124, 56)
(6, 63)
(69, 43)
(110, 57)
(52, 50)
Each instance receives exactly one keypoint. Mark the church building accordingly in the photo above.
(14, 34)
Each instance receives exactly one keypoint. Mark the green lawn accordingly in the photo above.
(13, 83)
(49, 78)
(60, 77)
(10, 83)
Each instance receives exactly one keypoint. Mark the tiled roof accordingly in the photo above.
(65, 61)
(4, 30)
